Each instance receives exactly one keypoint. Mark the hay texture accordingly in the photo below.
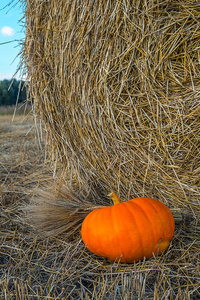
(116, 85)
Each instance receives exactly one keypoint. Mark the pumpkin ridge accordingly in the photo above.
(114, 230)
(158, 213)
(139, 235)
(86, 232)
(100, 245)
(103, 245)
(171, 227)
(149, 219)
(95, 214)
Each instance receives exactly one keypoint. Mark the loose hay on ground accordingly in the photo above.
(33, 266)
(116, 85)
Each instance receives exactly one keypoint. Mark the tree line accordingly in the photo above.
(10, 90)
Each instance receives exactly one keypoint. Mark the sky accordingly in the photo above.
(11, 32)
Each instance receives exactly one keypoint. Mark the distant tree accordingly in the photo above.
(9, 90)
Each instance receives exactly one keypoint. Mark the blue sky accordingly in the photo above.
(11, 30)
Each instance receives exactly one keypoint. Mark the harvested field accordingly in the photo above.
(115, 87)
(33, 266)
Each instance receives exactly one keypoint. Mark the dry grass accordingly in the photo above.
(116, 87)
(15, 110)
(35, 266)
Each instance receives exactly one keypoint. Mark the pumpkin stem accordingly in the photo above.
(114, 198)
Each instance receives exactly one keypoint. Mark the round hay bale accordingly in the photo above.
(117, 87)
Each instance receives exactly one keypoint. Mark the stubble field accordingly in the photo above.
(36, 267)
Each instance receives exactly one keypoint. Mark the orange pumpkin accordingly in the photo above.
(128, 231)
